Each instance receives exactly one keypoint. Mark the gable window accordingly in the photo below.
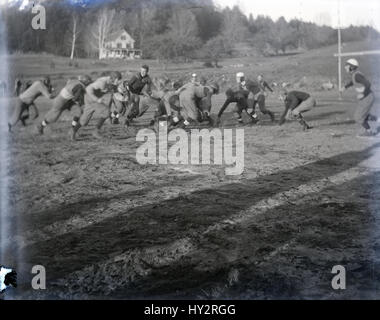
(123, 37)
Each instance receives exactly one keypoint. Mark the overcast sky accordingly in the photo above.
(356, 12)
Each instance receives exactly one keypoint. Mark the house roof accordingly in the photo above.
(116, 35)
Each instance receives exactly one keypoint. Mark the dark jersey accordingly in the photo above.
(250, 86)
(359, 80)
(137, 83)
(295, 98)
(292, 101)
(240, 97)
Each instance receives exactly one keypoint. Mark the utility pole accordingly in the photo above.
(339, 53)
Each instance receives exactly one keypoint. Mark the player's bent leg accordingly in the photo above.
(305, 106)
(363, 111)
(19, 108)
(84, 119)
(263, 108)
(59, 105)
(304, 124)
(102, 113)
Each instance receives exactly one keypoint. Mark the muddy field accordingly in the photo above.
(105, 226)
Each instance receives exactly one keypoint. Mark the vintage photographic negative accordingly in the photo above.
(189, 149)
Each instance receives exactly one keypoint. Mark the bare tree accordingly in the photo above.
(106, 23)
(75, 31)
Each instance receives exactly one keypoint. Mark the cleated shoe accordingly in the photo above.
(73, 132)
(40, 129)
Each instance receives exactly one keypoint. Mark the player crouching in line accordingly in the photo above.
(169, 106)
(205, 103)
(195, 102)
(27, 98)
(120, 100)
(97, 100)
(238, 97)
(297, 103)
(20, 87)
(254, 89)
(366, 98)
(71, 95)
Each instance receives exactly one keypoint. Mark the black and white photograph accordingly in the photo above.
(203, 150)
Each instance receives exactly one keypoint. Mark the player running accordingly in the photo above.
(97, 100)
(297, 103)
(365, 96)
(20, 87)
(72, 95)
(27, 98)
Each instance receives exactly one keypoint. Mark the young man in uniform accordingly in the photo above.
(27, 98)
(71, 95)
(140, 86)
(20, 87)
(169, 106)
(297, 103)
(261, 96)
(195, 100)
(254, 89)
(240, 98)
(97, 100)
(205, 103)
(365, 96)
(120, 100)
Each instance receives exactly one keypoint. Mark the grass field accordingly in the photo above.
(105, 226)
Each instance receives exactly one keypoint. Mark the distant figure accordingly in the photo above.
(3, 88)
(194, 78)
(365, 96)
(297, 103)
(18, 87)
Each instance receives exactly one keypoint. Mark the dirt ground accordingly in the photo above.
(105, 226)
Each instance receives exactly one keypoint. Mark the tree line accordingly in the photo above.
(165, 29)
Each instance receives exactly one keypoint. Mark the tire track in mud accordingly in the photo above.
(123, 270)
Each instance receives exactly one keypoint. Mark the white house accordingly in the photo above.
(120, 45)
